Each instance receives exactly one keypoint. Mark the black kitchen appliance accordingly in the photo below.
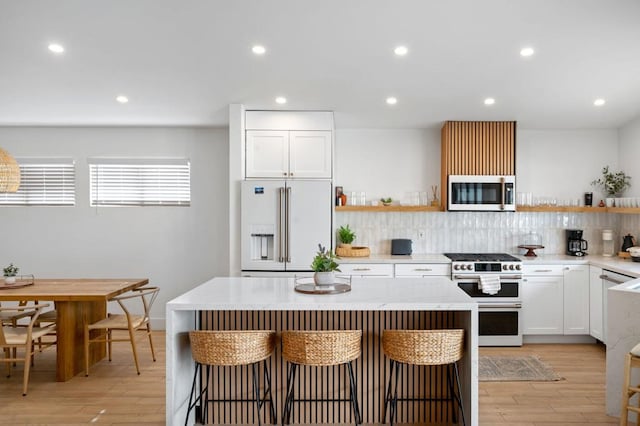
(576, 246)
(401, 246)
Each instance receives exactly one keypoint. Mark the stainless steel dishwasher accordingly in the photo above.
(609, 279)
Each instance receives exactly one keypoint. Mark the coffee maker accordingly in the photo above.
(576, 246)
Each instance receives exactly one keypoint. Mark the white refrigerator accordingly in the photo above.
(282, 223)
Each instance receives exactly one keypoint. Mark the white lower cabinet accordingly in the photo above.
(576, 299)
(369, 270)
(595, 303)
(424, 270)
(542, 302)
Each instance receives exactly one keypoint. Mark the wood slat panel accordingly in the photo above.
(371, 369)
(476, 148)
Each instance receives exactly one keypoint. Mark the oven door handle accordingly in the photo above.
(517, 305)
(477, 277)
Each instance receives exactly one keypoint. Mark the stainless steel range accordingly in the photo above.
(493, 279)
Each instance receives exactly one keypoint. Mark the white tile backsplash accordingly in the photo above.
(482, 231)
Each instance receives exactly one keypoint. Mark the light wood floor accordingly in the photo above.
(115, 394)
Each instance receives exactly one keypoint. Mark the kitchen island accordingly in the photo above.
(372, 305)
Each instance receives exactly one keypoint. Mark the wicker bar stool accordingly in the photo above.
(632, 360)
(231, 348)
(320, 349)
(422, 347)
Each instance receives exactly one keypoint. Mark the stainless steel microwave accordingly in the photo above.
(482, 193)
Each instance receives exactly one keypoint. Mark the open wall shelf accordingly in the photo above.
(542, 209)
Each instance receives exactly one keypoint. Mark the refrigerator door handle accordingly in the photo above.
(288, 222)
(280, 218)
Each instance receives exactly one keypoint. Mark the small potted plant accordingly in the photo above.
(10, 273)
(346, 236)
(613, 184)
(324, 265)
(386, 201)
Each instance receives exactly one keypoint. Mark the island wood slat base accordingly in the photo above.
(372, 368)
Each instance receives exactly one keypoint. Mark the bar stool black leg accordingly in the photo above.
(267, 380)
(354, 394)
(452, 392)
(387, 397)
(288, 403)
(205, 411)
(459, 397)
(256, 392)
(394, 401)
(193, 389)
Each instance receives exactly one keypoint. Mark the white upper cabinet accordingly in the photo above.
(267, 154)
(289, 144)
(288, 154)
(310, 154)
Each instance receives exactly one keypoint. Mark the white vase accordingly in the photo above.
(324, 278)
(10, 280)
(610, 202)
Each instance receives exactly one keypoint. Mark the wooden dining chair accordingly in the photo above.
(126, 321)
(15, 336)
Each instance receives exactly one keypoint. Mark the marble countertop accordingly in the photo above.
(380, 294)
(387, 258)
(616, 264)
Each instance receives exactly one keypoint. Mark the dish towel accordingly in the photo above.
(489, 284)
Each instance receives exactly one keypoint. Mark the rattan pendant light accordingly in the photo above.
(9, 172)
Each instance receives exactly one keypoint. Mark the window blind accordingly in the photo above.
(140, 182)
(44, 182)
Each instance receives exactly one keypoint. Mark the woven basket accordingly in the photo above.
(423, 347)
(320, 348)
(353, 251)
(231, 347)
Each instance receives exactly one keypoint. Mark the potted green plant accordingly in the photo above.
(346, 236)
(10, 273)
(613, 184)
(386, 201)
(324, 265)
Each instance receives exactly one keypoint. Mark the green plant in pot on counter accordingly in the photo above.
(10, 273)
(346, 236)
(613, 184)
(324, 265)
(386, 201)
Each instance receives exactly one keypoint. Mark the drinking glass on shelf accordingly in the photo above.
(353, 201)
(424, 198)
(363, 198)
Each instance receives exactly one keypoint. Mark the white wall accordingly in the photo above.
(387, 163)
(630, 155)
(563, 163)
(177, 248)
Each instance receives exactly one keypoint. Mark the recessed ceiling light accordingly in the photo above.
(599, 102)
(391, 100)
(401, 50)
(489, 101)
(56, 48)
(281, 100)
(258, 49)
(527, 51)
(122, 99)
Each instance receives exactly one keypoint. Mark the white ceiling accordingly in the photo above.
(183, 62)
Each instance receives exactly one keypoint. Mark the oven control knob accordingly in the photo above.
(456, 267)
(512, 267)
(504, 267)
(469, 267)
(518, 267)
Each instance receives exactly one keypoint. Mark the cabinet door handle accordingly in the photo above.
(543, 270)
(423, 269)
(361, 269)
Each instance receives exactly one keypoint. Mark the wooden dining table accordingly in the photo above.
(77, 302)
